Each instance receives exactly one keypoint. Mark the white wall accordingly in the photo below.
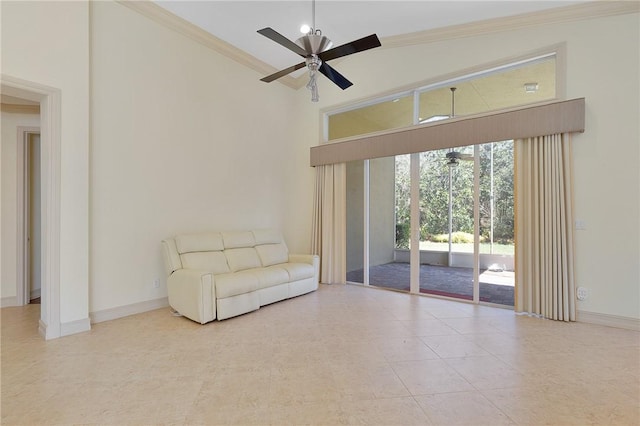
(183, 140)
(54, 51)
(603, 67)
(9, 196)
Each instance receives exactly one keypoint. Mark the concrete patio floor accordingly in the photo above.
(495, 286)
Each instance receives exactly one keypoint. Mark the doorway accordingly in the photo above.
(49, 99)
(30, 215)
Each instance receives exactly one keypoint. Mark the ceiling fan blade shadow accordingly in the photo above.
(334, 76)
(272, 34)
(282, 73)
(355, 46)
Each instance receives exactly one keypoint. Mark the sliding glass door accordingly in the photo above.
(375, 254)
(355, 218)
(497, 223)
(447, 222)
(439, 222)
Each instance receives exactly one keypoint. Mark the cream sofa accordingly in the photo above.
(218, 275)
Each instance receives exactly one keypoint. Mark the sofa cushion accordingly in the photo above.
(235, 283)
(240, 259)
(212, 261)
(268, 277)
(273, 254)
(209, 241)
(298, 271)
(238, 239)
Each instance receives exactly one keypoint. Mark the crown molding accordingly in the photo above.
(171, 21)
(593, 9)
(578, 12)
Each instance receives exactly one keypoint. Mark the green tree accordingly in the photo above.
(434, 194)
(403, 201)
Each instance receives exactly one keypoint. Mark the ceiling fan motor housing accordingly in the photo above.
(314, 43)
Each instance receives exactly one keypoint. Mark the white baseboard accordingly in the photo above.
(42, 329)
(125, 311)
(609, 320)
(73, 327)
(35, 293)
(5, 302)
(49, 332)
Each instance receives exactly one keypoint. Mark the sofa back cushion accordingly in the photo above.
(234, 240)
(205, 241)
(211, 261)
(267, 236)
(271, 247)
(223, 252)
(273, 254)
(240, 259)
(202, 251)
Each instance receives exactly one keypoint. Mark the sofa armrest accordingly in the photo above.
(311, 259)
(193, 294)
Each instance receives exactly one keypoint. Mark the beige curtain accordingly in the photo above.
(329, 222)
(544, 227)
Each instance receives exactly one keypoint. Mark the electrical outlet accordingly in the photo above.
(582, 293)
(156, 283)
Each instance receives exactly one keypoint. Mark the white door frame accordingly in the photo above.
(50, 139)
(22, 282)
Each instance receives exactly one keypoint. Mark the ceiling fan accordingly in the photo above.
(454, 157)
(316, 49)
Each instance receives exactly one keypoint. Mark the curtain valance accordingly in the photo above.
(550, 118)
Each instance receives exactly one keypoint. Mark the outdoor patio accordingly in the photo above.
(495, 286)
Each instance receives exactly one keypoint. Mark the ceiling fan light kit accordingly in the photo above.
(317, 50)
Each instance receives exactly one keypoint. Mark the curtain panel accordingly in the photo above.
(328, 239)
(545, 278)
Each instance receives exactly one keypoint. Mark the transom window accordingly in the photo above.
(513, 84)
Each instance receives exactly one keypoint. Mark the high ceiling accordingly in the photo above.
(236, 22)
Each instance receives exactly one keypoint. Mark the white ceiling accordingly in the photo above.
(236, 22)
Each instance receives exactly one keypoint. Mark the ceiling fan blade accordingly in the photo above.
(355, 46)
(334, 76)
(281, 73)
(272, 34)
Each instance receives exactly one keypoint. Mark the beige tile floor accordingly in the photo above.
(341, 355)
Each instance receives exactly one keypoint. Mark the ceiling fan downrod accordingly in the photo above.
(315, 43)
(313, 17)
(453, 102)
